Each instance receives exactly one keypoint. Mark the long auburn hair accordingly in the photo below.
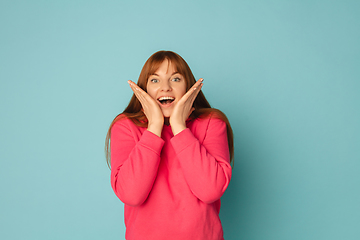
(202, 107)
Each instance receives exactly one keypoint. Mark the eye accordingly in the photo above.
(176, 79)
(154, 80)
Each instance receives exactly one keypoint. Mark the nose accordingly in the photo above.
(166, 86)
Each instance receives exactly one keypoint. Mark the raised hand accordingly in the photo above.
(184, 108)
(151, 109)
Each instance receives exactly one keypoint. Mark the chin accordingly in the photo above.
(166, 114)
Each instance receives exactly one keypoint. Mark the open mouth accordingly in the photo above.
(166, 100)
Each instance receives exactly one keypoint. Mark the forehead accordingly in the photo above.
(164, 67)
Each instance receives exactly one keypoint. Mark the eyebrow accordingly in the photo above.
(154, 74)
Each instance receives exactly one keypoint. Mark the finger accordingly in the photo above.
(140, 91)
(188, 103)
(132, 84)
(198, 84)
(135, 88)
(195, 90)
(196, 87)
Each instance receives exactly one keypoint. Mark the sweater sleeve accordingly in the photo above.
(134, 162)
(206, 166)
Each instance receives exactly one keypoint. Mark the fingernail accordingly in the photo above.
(128, 81)
(201, 80)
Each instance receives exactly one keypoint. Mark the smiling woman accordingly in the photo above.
(170, 155)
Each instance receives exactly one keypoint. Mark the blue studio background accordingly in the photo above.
(286, 73)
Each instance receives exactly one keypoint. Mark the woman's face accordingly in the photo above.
(166, 86)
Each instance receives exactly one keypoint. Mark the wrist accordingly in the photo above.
(177, 128)
(155, 128)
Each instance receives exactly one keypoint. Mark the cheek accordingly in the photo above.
(182, 89)
(183, 93)
(151, 91)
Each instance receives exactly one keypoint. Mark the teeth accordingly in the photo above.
(166, 98)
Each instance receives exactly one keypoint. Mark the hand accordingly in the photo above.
(151, 109)
(184, 108)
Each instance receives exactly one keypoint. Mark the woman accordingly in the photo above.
(170, 155)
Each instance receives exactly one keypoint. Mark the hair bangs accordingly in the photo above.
(155, 61)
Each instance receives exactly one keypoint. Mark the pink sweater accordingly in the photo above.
(171, 186)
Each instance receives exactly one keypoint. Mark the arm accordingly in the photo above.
(134, 162)
(206, 166)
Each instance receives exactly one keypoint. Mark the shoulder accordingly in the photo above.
(208, 125)
(208, 120)
(121, 120)
(123, 123)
